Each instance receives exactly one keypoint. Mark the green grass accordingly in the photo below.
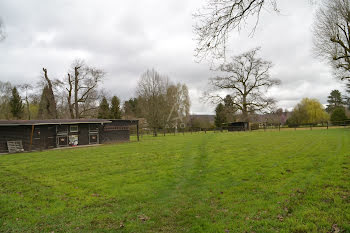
(291, 181)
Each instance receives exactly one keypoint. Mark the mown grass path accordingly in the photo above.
(293, 181)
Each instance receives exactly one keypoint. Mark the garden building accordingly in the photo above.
(31, 135)
(238, 126)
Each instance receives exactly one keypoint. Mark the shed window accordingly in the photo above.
(62, 129)
(73, 128)
(93, 128)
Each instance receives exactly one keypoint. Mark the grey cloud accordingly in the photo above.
(125, 38)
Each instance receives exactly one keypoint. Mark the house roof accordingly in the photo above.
(210, 118)
(52, 122)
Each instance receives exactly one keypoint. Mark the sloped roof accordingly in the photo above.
(52, 122)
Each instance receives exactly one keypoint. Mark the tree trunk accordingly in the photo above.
(28, 110)
(76, 83)
(52, 109)
(244, 109)
(71, 111)
(69, 98)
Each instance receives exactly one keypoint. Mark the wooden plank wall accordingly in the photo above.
(121, 134)
(14, 133)
(117, 131)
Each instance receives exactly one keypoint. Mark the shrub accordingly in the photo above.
(338, 116)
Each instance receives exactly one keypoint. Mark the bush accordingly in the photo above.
(338, 116)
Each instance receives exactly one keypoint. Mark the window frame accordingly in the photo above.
(74, 131)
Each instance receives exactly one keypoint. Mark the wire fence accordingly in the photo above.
(308, 126)
(253, 127)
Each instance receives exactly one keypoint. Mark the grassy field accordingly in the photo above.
(291, 181)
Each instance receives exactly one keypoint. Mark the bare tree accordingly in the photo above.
(27, 87)
(5, 94)
(82, 89)
(247, 78)
(2, 30)
(219, 17)
(151, 91)
(332, 35)
(47, 106)
(178, 105)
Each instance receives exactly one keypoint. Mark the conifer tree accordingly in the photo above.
(16, 104)
(335, 101)
(103, 110)
(115, 108)
(220, 116)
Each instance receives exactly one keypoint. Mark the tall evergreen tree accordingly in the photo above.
(47, 105)
(16, 105)
(115, 108)
(131, 108)
(230, 109)
(103, 110)
(220, 116)
(335, 100)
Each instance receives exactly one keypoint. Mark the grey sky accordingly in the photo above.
(126, 37)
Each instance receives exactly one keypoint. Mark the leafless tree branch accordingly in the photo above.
(2, 30)
(332, 35)
(219, 17)
(247, 79)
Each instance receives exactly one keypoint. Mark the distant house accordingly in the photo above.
(270, 118)
(47, 134)
(237, 126)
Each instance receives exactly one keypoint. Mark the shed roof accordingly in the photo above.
(52, 122)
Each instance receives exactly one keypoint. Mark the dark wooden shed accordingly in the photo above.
(47, 134)
(238, 126)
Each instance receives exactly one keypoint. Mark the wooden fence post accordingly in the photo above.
(137, 131)
(31, 138)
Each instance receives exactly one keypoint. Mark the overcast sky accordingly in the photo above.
(126, 37)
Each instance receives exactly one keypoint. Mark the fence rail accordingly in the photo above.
(262, 127)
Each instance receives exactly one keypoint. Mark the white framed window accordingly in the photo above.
(93, 128)
(73, 128)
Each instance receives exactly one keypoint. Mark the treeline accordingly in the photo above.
(162, 103)
(75, 96)
(308, 111)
